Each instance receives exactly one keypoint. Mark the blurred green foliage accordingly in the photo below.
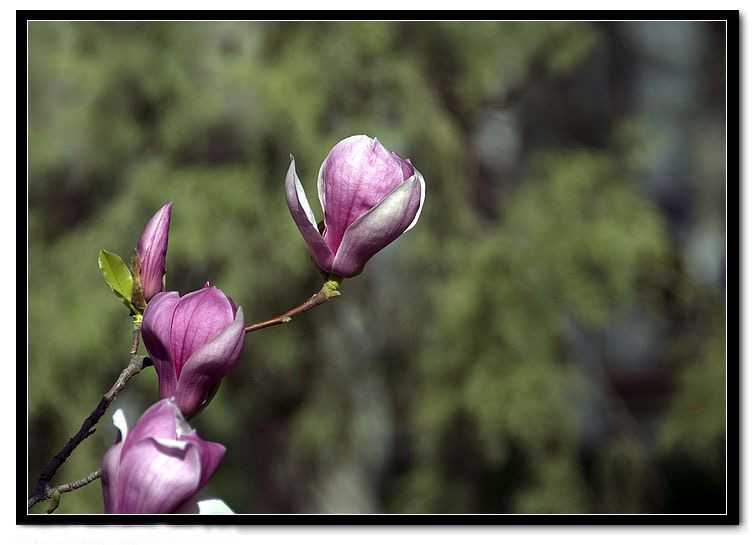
(541, 342)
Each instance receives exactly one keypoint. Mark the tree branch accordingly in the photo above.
(328, 291)
(136, 364)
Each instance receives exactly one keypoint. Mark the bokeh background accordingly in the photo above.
(548, 338)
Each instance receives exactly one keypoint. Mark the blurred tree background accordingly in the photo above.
(548, 339)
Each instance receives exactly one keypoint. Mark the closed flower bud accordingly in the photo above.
(151, 251)
(159, 466)
(194, 341)
(370, 196)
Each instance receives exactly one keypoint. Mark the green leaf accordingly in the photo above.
(116, 275)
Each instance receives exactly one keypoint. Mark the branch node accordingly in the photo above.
(55, 500)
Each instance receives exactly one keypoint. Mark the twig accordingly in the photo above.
(136, 364)
(62, 489)
(328, 291)
(135, 341)
(134, 367)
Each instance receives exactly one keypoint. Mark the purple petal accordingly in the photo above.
(210, 455)
(357, 174)
(199, 317)
(152, 249)
(156, 327)
(396, 214)
(300, 210)
(208, 365)
(111, 462)
(158, 476)
(407, 168)
(160, 421)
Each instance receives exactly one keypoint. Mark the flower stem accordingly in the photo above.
(328, 291)
(135, 335)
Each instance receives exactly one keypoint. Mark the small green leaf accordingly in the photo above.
(116, 275)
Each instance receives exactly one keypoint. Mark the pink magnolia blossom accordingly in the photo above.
(159, 466)
(370, 196)
(194, 341)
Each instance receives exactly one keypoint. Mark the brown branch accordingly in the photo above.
(135, 340)
(328, 291)
(136, 364)
(134, 367)
(62, 489)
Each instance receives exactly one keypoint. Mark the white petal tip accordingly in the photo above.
(171, 443)
(214, 507)
(119, 421)
(418, 177)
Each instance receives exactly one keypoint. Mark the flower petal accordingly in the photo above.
(199, 316)
(209, 506)
(111, 462)
(421, 179)
(357, 174)
(172, 443)
(208, 365)
(383, 224)
(321, 189)
(152, 249)
(210, 455)
(159, 421)
(406, 165)
(157, 478)
(214, 506)
(156, 326)
(300, 210)
(119, 421)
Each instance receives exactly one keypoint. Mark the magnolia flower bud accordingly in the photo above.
(370, 196)
(194, 341)
(151, 251)
(159, 466)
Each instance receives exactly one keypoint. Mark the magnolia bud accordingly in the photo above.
(194, 341)
(370, 196)
(151, 251)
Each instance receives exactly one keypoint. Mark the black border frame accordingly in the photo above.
(732, 282)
